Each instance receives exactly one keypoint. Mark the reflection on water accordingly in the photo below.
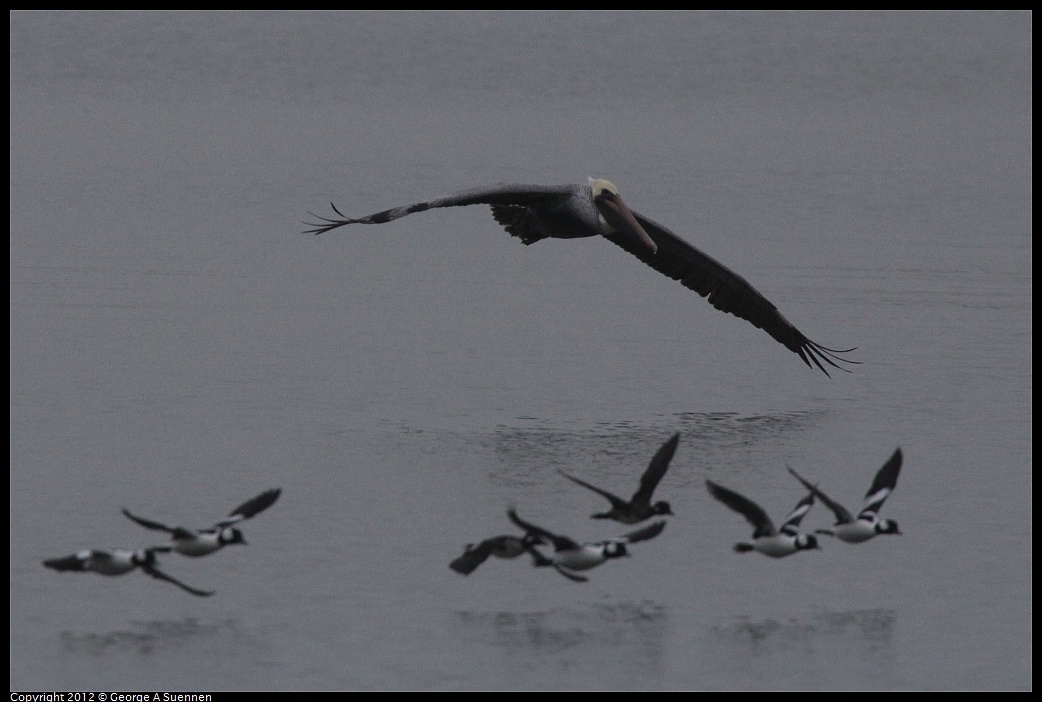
(530, 452)
(872, 628)
(824, 650)
(631, 631)
(724, 427)
(146, 638)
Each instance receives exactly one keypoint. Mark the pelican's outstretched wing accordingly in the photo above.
(726, 291)
(510, 194)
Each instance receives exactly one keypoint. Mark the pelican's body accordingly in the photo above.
(202, 542)
(768, 540)
(867, 524)
(535, 212)
(119, 562)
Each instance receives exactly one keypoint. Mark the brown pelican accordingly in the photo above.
(534, 212)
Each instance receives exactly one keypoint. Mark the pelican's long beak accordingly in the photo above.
(621, 218)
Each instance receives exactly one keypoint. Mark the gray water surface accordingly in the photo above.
(178, 346)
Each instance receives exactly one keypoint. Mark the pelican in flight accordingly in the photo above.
(534, 212)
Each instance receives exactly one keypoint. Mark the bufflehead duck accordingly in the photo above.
(570, 555)
(867, 523)
(769, 541)
(205, 541)
(498, 546)
(639, 506)
(118, 562)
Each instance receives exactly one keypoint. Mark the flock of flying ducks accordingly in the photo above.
(532, 213)
(570, 556)
(188, 542)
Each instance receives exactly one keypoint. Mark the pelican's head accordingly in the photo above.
(619, 217)
(599, 185)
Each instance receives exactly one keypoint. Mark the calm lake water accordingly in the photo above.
(178, 346)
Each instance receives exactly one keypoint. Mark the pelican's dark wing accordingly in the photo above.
(843, 516)
(160, 575)
(498, 194)
(754, 514)
(726, 291)
(882, 486)
(656, 469)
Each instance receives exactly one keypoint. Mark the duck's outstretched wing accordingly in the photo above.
(843, 516)
(884, 483)
(251, 507)
(656, 469)
(753, 513)
(160, 575)
(74, 562)
(176, 532)
(575, 577)
(615, 500)
(559, 542)
(792, 521)
(645, 533)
